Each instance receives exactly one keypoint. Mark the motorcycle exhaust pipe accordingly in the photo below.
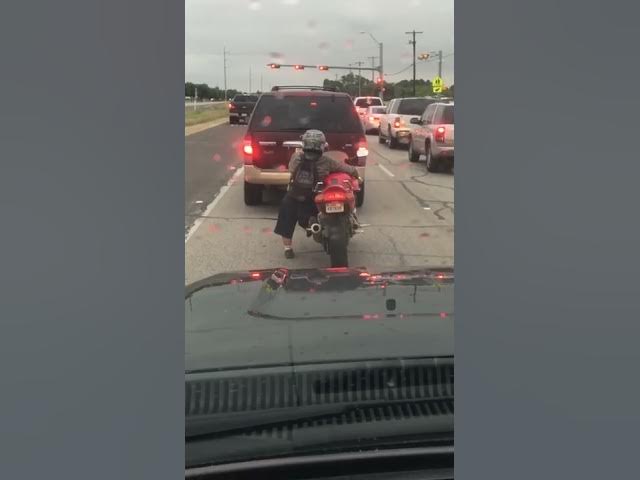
(315, 228)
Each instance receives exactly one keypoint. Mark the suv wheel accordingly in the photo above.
(360, 196)
(381, 139)
(432, 163)
(252, 194)
(393, 143)
(233, 121)
(413, 155)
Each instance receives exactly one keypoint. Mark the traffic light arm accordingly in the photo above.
(328, 67)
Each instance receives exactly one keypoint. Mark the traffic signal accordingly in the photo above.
(299, 67)
(323, 67)
(274, 65)
(379, 80)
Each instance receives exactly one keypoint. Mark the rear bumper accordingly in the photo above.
(253, 174)
(443, 152)
(402, 135)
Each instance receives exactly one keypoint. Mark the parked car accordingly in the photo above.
(278, 121)
(241, 107)
(371, 119)
(433, 136)
(395, 127)
(363, 103)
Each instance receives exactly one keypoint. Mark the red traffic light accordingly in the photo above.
(379, 80)
(299, 67)
(274, 65)
(323, 67)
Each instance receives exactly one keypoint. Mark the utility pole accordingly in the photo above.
(440, 63)
(224, 62)
(359, 63)
(249, 80)
(261, 84)
(413, 42)
(373, 59)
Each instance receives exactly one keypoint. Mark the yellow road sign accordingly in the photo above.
(437, 85)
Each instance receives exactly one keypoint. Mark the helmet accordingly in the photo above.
(313, 141)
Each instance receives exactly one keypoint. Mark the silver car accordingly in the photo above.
(433, 136)
(371, 119)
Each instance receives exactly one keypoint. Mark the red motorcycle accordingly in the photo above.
(336, 222)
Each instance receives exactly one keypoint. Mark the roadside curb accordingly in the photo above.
(204, 126)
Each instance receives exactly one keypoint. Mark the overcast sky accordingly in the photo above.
(312, 32)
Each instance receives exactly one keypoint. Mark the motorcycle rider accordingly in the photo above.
(307, 168)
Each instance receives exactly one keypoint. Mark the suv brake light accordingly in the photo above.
(231, 106)
(362, 151)
(439, 136)
(396, 124)
(247, 149)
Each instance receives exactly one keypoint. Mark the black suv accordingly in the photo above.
(283, 115)
(240, 108)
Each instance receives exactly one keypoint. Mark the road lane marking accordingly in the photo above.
(386, 170)
(225, 188)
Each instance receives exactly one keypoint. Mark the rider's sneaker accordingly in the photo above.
(288, 252)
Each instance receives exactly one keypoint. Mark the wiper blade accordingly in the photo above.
(234, 423)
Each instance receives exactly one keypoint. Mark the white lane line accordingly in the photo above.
(386, 170)
(211, 206)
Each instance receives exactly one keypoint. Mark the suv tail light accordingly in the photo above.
(248, 150)
(362, 151)
(439, 136)
(231, 106)
(396, 124)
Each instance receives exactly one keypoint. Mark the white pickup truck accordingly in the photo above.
(395, 124)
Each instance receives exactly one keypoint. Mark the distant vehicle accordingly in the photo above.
(363, 103)
(371, 119)
(395, 126)
(241, 107)
(433, 136)
(281, 117)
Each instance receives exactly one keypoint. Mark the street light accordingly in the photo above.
(381, 70)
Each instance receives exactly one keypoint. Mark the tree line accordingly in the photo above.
(347, 83)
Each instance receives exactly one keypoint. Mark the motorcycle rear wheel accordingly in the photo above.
(338, 251)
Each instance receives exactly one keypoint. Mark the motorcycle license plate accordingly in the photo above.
(335, 207)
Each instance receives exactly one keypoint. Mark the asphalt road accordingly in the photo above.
(409, 213)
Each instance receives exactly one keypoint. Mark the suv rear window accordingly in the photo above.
(378, 109)
(331, 114)
(367, 102)
(245, 98)
(446, 115)
(413, 106)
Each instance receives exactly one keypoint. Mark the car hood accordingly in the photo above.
(281, 317)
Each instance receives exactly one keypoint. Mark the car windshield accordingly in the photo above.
(413, 106)
(319, 223)
(367, 102)
(328, 113)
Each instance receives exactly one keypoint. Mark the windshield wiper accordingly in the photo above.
(235, 423)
